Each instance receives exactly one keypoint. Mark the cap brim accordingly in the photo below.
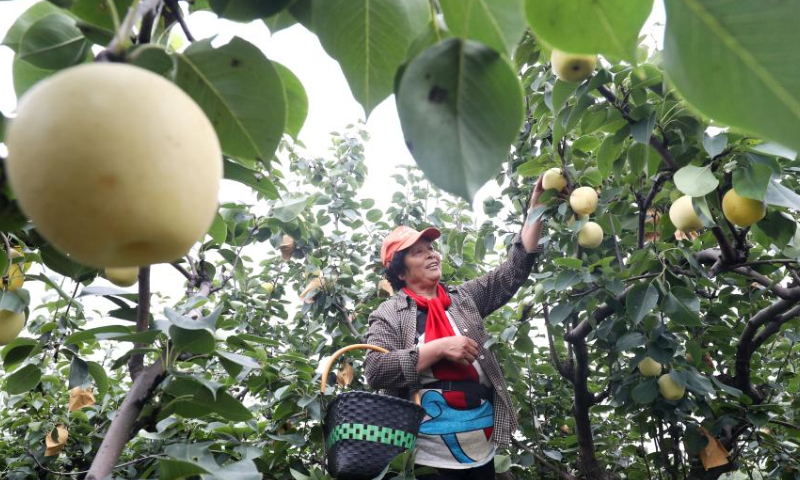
(430, 233)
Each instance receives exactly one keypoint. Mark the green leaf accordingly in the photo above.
(23, 380)
(192, 341)
(247, 10)
(640, 301)
(218, 230)
(682, 306)
(170, 469)
(646, 391)
(559, 313)
(370, 40)
(714, 145)
(56, 261)
(374, 215)
(499, 25)
(13, 300)
(502, 463)
(296, 100)
(630, 341)
(78, 372)
(27, 75)
(781, 196)
(460, 106)
(609, 151)
(642, 130)
(100, 377)
(561, 93)
(97, 13)
(752, 180)
(92, 333)
(17, 351)
(37, 11)
(242, 360)
(240, 91)
(699, 383)
(608, 27)
(53, 43)
(257, 181)
(288, 209)
(696, 181)
(717, 51)
(778, 228)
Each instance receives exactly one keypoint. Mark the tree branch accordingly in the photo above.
(644, 206)
(603, 311)
(120, 430)
(136, 362)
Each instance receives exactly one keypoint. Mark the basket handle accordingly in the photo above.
(338, 353)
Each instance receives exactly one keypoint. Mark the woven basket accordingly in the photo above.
(365, 431)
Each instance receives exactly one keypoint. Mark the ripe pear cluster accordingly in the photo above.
(669, 388)
(740, 211)
(583, 201)
(115, 165)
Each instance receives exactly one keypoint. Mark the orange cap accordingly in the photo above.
(402, 238)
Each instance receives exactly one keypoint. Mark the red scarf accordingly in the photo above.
(438, 325)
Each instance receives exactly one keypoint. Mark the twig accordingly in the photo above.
(8, 255)
(183, 271)
(543, 461)
(75, 474)
(617, 248)
(235, 263)
(175, 10)
(348, 319)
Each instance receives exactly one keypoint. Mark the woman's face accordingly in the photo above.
(423, 265)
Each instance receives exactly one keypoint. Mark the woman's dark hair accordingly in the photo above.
(396, 268)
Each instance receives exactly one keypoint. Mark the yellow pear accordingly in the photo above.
(572, 68)
(11, 324)
(268, 287)
(54, 447)
(669, 388)
(742, 211)
(649, 367)
(115, 165)
(122, 276)
(287, 247)
(16, 275)
(683, 216)
(590, 235)
(583, 200)
(554, 180)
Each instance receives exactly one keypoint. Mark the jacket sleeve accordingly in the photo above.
(495, 289)
(396, 369)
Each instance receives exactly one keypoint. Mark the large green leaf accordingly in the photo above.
(53, 42)
(257, 181)
(751, 181)
(719, 50)
(23, 380)
(296, 100)
(608, 27)
(682, 307)
(240, 91)
(370, 40)
(696, 181)
(497, 24)
(37, 11)
(460, 105)
(27, 75)
(640, 301)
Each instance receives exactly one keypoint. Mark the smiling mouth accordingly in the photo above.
(433, 265)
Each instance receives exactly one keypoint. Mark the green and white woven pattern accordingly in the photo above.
(371, 433)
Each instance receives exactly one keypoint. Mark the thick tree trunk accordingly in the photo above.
(590, 467)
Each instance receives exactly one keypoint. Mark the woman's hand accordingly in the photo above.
(532, 229)
(459, 349)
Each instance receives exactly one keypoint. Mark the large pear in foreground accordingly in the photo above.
(742, 212)
(669, 388)
(115, 165)
(11, 324)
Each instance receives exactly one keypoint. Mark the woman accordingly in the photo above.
(435, 336)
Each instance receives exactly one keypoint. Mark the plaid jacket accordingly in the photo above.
(393, 326)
